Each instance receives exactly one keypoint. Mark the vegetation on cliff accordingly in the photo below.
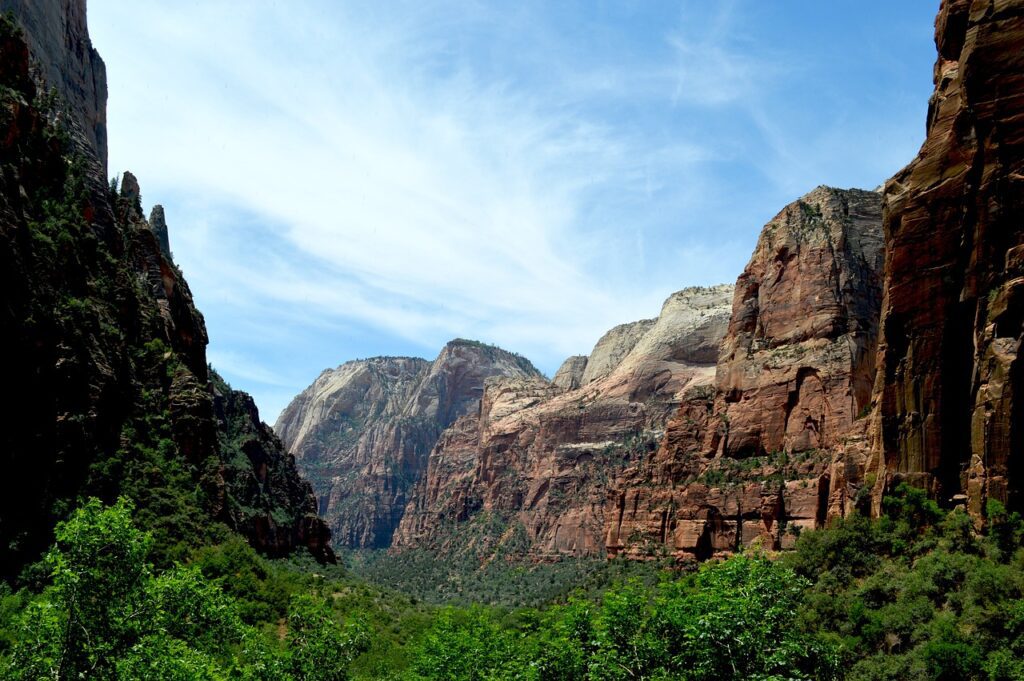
(105, 359)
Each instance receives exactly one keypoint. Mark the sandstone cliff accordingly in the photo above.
(101, 344)
(570, 375)
(749, 456)
(537, 460)
(949, 413)
(362, 432)
(64, 58)
(944, 410)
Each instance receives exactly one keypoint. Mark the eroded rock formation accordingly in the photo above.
(540, 457)
(64, 59)
(100, 340)
(749, 457)
(361, 433)
(949, 411)
(797, 364)
(570, 375)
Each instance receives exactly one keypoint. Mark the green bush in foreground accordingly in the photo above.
(733, 620)
(106, 615)
(917, 595)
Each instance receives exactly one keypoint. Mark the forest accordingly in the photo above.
(915, 594)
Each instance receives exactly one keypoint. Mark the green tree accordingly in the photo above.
(467, 646)
(106, 615)
(320, 649)
(89, 614)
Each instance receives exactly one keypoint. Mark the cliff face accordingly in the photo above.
(362, 432)
(539, 458)
(797, 364)
(751, 455)
(266, 499)
(949, 413)
(63, 56)
(570, 375)
(99, 337)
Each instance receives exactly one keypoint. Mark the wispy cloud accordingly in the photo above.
(345, 176)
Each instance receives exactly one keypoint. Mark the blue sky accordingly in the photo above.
(350, 179)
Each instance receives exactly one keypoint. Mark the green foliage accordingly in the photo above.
(108, 614)
(94, 605)
(734, 620)
(917, 595)
(501, 578)
(738, 620)
(468, 646)
(319, 648)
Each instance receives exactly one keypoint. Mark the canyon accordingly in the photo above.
(814, 472)
(874, 338)
(99, 335)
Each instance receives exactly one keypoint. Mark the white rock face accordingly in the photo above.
(570, 375)
(361, 433)
(356, 391)
(612, 348)
(689, 329)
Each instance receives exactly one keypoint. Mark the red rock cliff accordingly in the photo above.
(751, 457)
(949, 413)
(58, 38)
(539, 457)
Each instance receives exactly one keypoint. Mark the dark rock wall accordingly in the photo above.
(102, 349)
(949, 381)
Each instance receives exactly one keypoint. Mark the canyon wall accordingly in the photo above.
(949, 414)
(361, 433)
(99, 338)
(538, 458)
(738, 416)
(64, 59)
(874, 338)
(759, 454)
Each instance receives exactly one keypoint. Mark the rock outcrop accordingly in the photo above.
(950, 413)
(361, 433)
(570, 375)
(612, 348)
(797, 364)
(750, 455)
(65, 60)
(539, 458)
(266, 499)
(101, 343)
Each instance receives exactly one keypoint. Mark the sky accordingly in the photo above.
(350, 179)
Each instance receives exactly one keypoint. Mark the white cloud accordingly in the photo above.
(452, 193)
(330, 168)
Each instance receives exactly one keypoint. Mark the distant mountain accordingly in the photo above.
(361, 433)
(535, 462)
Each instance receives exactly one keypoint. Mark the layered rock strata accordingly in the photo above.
(749, 457)
(949, 413)
(64, 59)
(361, 433)
(540, 457)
